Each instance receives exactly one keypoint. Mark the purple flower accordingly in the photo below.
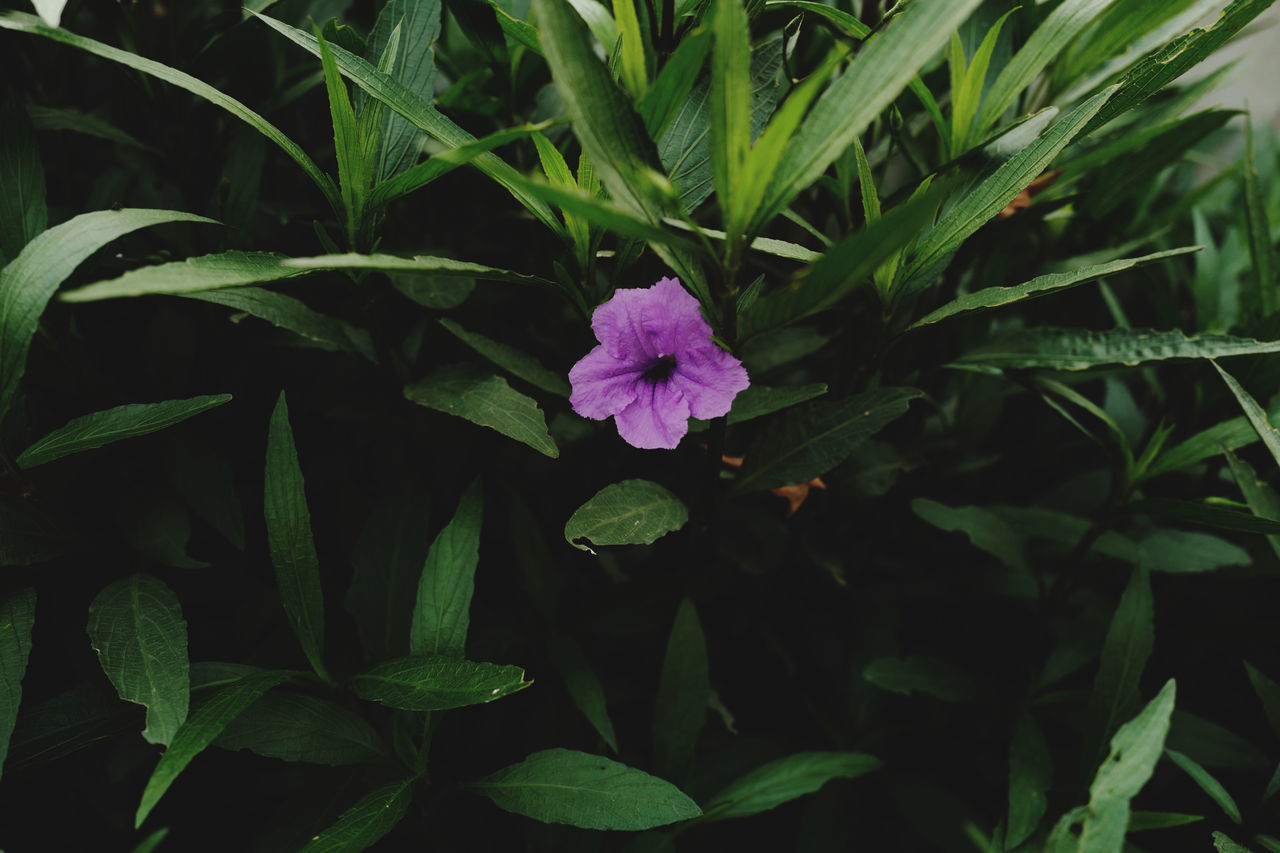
(656, 366)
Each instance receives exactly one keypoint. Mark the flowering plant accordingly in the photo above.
(655, 367)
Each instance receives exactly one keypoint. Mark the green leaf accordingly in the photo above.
(111, 425)
(441, 612)
(1256, 414)
(1262, 499)
(297, 727)
(1135, 749)
(1125, 652)
(58, 118)
(786, 779)
(30, 24)
(1161, 67)
(293, 550)
(847, 23)
(437, 683)
(966, 96)
(29, 280)
(985, 529)
(355, 164)
(587, 791)
(1223, 844)
(1075, 349)
(416, 264)
(514, 361)
(422, 114)
(1050, 37)
(433, 292)
(1230, 434)
(633, 512)
(1030, 775)
(200, 730)
(584, 687)
(1207, 783)
(1043, 285)
(992, 196)
(590, 207)
(17, 617)
(1258, 227)
(808, 442)
(759, 400)
(419, 24)
(880, 71)
(285, 312)
(730, 109)
(1183, 552)
(632, 56)
(1269, 692)
(1140, 821)
(23, 213)
(373, 816)
(152, 841)
(684, 689)
(206, 272)
(387, 562)
(671, 88)
(136, 627)
(482, 398)
(843, 267)
(910, 675)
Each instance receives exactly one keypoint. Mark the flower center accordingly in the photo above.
(660, 369)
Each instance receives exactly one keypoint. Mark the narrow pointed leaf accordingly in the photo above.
(205, 272)
(17, 617)
(441, 613)
(1207, 783)
(1256, 414)
(200, 730)
(1073, 349)
(136, 627)
(373, 816)
(419, 24)
(683, 692)
(482, 398)
(633, 512)
(23, 211)
(418, 264)
(289, 539)
(514, 361)
(1125, 652)
(1258, 494)
(730, 106)
(1030, 775)
(584, 687)
(1258, 227)
(587, 791)
(286, 312)
(437, 683)
(786, 779)
(111, 425)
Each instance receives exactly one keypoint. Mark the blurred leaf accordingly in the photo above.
(587, 791)
(1161, 67)
(1124, 655)
(1262, 499)
(285, 312)
(633, 512)
(136, 627)
(584, 687)
(1075, 349)
(1223, 844)
(879, 72)
(17, 617)
(1230, 434)
(420, 112)
(1140, 821)
(28, 535)
(432, 291)
(939, 678)
(442, 608)
(373, 816)
(111, 425)
(30, 24)
(1183, 552)
(152, 841)
(983, 203)
(29, 280)
(205, 480)
(808, 442)
(65, 724)
(1135, 749)
(1209, 512)
(436, 683)
(387, 561)
(1207, 783)
(995, 297)
(784, 780)
(1269, 692)
(297, 727)
(478, 396)
(23, 213)
(1259, 228)
(50, 11)
(1212, 745)
(57, 118)
(512, 360)
(683, 691)
(161, 532)
(985, 529)
(1030, 775)
(419, 23)
(200, 730)
(293, 550)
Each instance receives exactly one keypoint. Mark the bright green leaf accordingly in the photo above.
(786, 779)
(373, 816)
(1207, 783)
(437, 683)
(442, 609)
(633, 512)
(482, 398)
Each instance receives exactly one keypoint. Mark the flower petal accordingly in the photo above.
(603, 385)
(658, 418)
(645, 323)
(709, 378)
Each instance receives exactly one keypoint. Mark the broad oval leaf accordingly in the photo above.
(441, 612)
(299, 727)
(200, 730)
(482, 398)
(137, 629)
(633, 512)
(373, 816)
(293, 550)
(587, 791)
(437, 683)
(1076, 349)
(29, 280)
(17, 617)
(808, 442)
(111, 425)
(786, 779)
